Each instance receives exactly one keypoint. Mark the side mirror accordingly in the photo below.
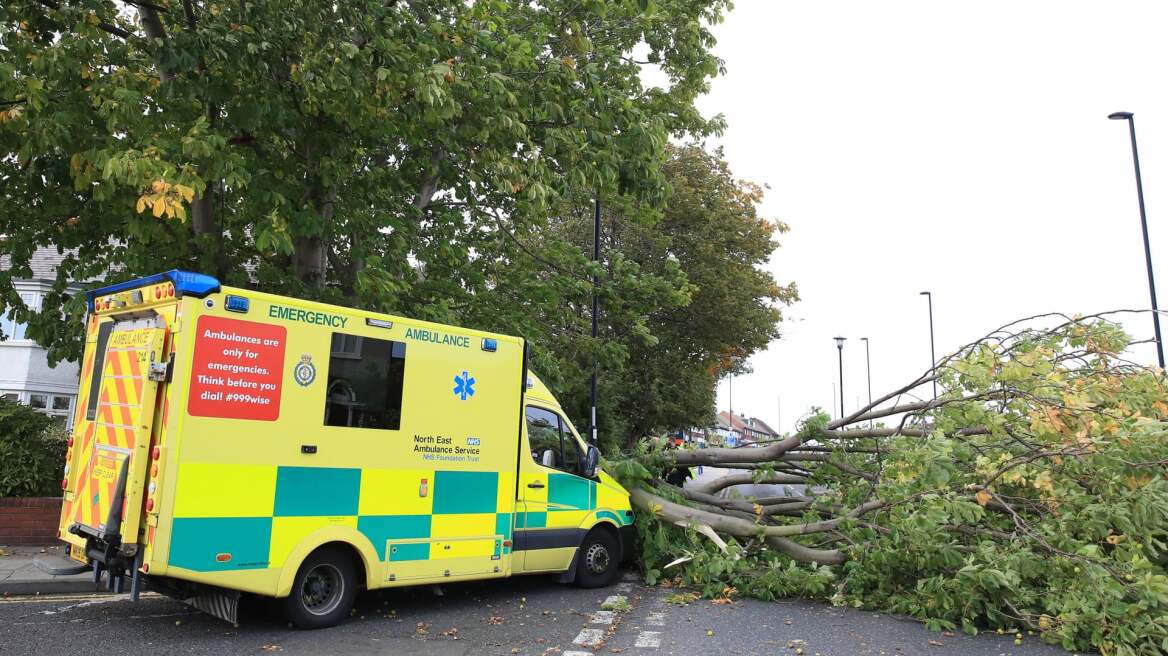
(591, 462)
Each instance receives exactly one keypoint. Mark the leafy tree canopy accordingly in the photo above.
(436, 159)
(381, 154)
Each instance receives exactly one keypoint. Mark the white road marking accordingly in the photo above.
(601, 617)
(91, 602)
(648, 639)
(589, 637)
(656, 618)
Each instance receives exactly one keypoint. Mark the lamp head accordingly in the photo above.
(1120, 116)
(839, 342)
(863, 339)
(926, 293)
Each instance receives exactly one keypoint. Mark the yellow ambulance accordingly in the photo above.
(233, 442)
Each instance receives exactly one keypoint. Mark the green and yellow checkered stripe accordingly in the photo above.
(258, 513)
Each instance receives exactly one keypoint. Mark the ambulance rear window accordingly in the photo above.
(103, 335)
(365, 377)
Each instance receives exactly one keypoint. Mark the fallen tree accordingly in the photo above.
(1031, 494)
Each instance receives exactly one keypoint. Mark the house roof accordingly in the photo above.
(44, 262)
(764, 427)
(742, 424)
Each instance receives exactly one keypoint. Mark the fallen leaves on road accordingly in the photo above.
(422, 628)
(728, 593)
(271, 648)
(452, 632)
(936, 643)
(494, 620)
(682, 598)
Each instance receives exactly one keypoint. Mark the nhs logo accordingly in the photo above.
(472, 441)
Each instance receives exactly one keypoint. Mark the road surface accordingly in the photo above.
(525, 615)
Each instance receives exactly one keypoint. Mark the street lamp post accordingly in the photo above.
(1131, 124)
(868, 362)
(839, 345)
(932, 345)
(593, 438)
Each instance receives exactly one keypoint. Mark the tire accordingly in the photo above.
(598, 560)
(323, 590)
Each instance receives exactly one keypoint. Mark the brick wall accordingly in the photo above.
(31, 520)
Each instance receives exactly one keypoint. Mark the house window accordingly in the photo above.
(12, 329)
(58, 406)
(365, 380)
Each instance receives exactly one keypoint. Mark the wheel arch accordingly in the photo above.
(607, 525)
(351, 541)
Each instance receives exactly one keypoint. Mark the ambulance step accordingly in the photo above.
(59, 565)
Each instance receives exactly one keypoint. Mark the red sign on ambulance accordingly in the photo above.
(237, 369)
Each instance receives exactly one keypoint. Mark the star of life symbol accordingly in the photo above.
(464, 386)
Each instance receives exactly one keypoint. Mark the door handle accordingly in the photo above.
(308, 448)
(535, 485)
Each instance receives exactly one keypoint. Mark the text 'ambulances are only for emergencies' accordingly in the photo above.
(237, 367)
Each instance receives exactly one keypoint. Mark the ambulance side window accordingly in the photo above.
(552, 442)
(365, 378)
(543, 433)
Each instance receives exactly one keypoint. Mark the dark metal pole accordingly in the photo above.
(868, 362)
(839, 345)
(932, 345)
(1131, 124)
(592, 431)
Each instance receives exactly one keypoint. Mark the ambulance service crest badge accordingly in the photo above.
(304, 372)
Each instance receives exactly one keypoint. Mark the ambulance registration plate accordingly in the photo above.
(78, 553)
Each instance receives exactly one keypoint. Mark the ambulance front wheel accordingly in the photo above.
(598, 561)
(323, 591)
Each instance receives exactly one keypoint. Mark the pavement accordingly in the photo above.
(19, 576)
(529, 615)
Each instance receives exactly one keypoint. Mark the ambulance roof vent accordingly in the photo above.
(185, 282)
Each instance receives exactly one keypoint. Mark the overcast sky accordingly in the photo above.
(962, 148)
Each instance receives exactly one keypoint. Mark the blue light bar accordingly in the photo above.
(185, 282)
(490, 344)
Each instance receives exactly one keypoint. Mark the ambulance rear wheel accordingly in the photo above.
(323, 591)
(598, 560)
